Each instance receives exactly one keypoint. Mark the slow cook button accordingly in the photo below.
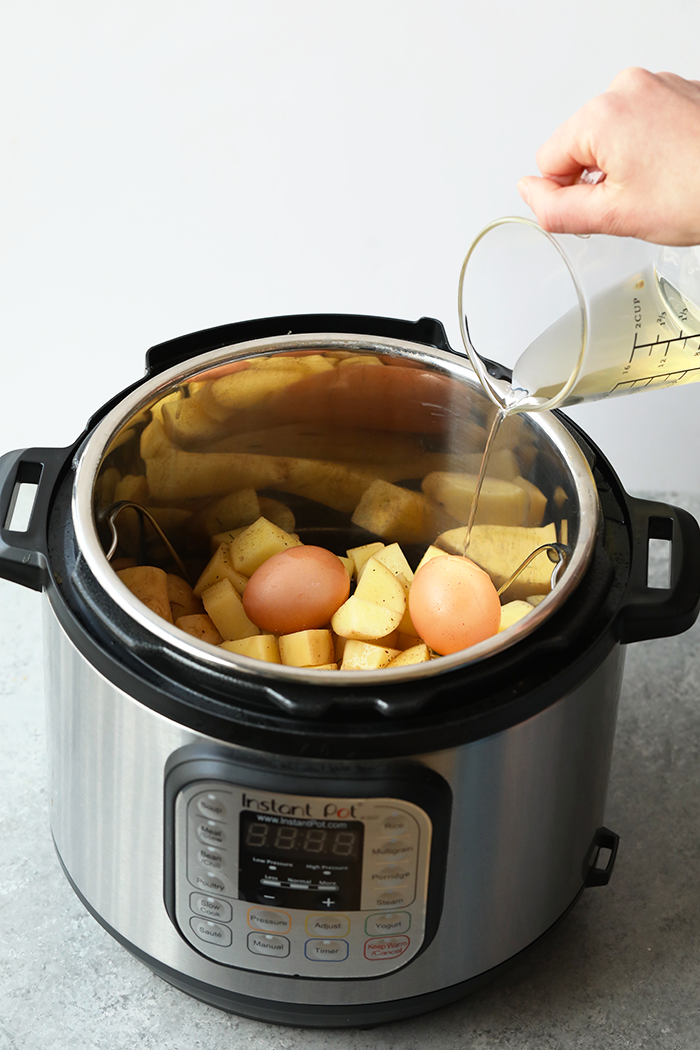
(378, 948)
(269, 921)
(268, 944)
(211, 833)
(213, 932)
(211, 907)
(388, 922)
(211, 805)
(329, 925)
(322, 950)
(210, 882)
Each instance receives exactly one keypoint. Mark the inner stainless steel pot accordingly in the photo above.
(429, 400)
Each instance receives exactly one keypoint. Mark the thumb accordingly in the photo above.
(577, 208)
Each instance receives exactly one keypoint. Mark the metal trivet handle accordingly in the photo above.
(557, 552)
(112, 512)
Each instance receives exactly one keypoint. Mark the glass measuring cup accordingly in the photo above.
(577, 318)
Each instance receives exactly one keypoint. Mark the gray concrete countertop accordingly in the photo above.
(623, 970)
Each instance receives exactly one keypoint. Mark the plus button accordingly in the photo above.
(328, 902)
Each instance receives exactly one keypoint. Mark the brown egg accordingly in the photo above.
(453, 604)
(298, 589)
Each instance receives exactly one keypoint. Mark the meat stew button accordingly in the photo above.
(385, 947)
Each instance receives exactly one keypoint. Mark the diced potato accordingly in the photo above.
(167, 399)
(150, 585)
(365, 620)
(417, 654)
(536, 504)
(336, 485)
(277, 512)
(535, 599)
(500, 502)
(200, 626)
(224, 605)
(229, 512)
(379, 585)
(406, 626)
(155, 442)
(406, 641)
(259, 542)
(226, 538)
(258, 647)
(360, 359)
(186, 423)
(349, 565)
(219, 568)
(503, 463)
(326, 667)
(395, 560)
(360, 555)
(363, 656)
(307, 648)
(400, 515)
(132, 487)
(183, 601)
(432, 552)
(252, 386)
(501, 549)
(511, 612)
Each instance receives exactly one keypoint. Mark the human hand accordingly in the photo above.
(643, 134)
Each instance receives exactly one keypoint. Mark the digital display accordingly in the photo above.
(300, 863)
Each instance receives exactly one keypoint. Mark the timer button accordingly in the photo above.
(211, 907)
(211, 805)
(326, 950)
(328, 925)
(213, 932)
(268, 944)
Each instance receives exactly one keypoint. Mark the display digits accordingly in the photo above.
(300, 840)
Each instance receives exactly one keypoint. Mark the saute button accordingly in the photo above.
(211, 907)
(388, 922)
(211, 833)
(213, 932)
(328, 925)
(268, 944)
(386, 947)
(269, 921)
(211, 805)
(326, 950)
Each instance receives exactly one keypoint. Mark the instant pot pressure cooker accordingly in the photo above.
(316, 847)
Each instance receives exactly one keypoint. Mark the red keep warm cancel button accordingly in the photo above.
(385, 947)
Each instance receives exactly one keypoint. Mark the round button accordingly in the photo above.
(213, 932)
(328, 925)
(394, 848)
(386, 947)
(210, 882)
(211, 833)
(326, 950)
(269, 921)
(388, 922)
(397, 823)
(393, 898)
(211, 907)
(393, 875)
(211, 805)
(268, 944)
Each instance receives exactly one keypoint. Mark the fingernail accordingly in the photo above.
(524, 191)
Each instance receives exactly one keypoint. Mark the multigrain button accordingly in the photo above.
(395, 848)
(268, 944)
(269, 921)
(213, 932)
(388, 922)
(211, 833)
(329, 925)
(322, 950)
(211, 805)
(210, 907)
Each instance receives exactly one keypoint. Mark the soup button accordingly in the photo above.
(386, 947)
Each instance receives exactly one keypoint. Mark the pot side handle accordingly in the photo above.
(658, 612)
(23, 554)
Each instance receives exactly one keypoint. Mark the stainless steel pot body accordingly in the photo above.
(528, 803)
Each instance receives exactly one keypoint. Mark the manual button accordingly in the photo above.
(268, 944)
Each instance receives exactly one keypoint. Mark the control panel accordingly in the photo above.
(299, 884)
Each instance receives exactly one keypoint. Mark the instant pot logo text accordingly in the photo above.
(320, 809)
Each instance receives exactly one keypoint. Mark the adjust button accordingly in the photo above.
(213, 932)
(326, 950)
(328, 925)
(268, 944)
(211, 907)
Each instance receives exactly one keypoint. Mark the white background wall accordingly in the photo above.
(167, 166)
